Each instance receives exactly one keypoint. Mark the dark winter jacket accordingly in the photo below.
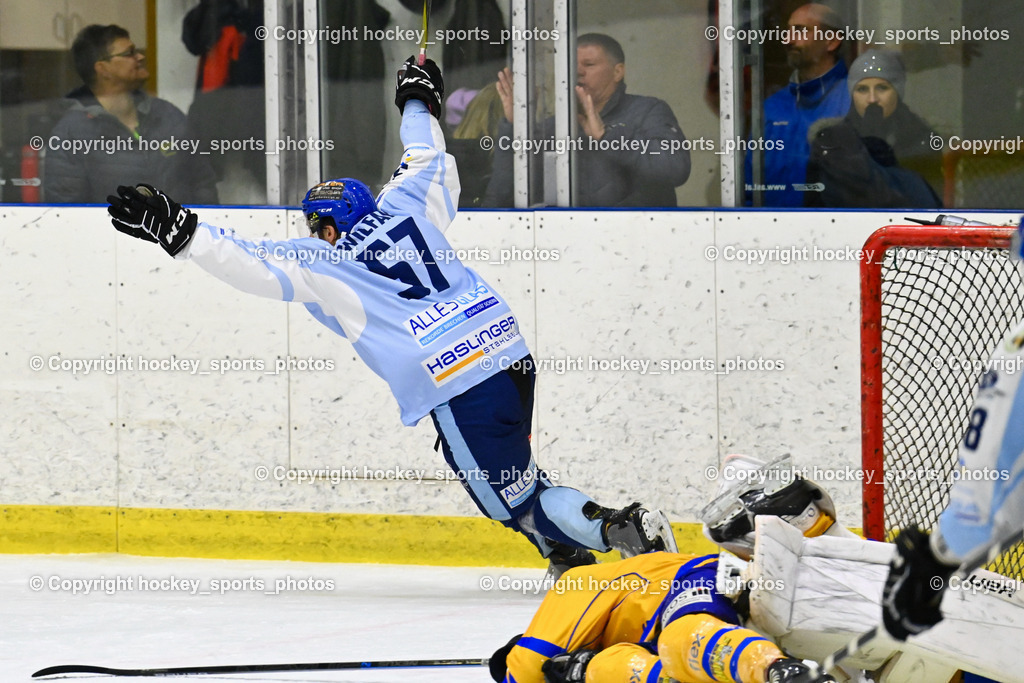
(613, 177)
(849, 171)
(910, 139)
(159, 153)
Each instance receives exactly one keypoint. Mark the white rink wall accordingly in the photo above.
(626, 285)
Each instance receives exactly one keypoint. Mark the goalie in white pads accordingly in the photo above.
(813, 585)
(986, 502)
(380, 273)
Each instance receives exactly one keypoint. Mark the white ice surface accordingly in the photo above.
(374, 612)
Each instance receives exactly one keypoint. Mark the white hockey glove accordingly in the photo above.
(913, 591)
(423, 83)
(148, 214)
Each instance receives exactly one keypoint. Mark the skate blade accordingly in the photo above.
(656, 526)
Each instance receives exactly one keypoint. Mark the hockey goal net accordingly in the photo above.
(934, 303)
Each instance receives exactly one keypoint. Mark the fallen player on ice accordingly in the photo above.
(794, 586)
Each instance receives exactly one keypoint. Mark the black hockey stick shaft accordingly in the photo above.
(977, 559)
(252, 668)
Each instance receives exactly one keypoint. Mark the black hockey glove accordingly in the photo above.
(913, 591)
(423, 83)
(570, 667)
(148, 214)
(789, 670)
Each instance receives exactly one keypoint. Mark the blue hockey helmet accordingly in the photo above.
(344, 200)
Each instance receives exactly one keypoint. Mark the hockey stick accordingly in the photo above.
(974, 561)
(423, 40)
(251, 668)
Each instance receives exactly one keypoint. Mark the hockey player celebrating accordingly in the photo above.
(443, 339)
(982, 509)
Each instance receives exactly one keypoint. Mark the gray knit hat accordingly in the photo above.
(884, 64)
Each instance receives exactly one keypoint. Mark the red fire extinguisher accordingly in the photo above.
(31, 185)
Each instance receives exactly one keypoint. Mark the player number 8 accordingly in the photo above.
(974, 425)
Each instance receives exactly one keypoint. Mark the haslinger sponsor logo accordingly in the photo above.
(431, 323)
(460, 356)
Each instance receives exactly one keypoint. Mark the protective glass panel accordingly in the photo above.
(487, 137)
(187, 117)
(648, 116)
(359, 122)
(882, 105)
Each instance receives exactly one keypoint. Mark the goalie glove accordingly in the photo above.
(148, 214)
(570, 667)
(423, 83)
(913, 591)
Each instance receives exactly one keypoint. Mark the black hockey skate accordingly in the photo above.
(633, 530)
(563, 558)
(789, 670)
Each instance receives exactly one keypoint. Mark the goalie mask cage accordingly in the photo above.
(934, 303)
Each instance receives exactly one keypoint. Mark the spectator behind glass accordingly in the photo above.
(817, 89)
(480, 117)
(124, 136)
(879, 155)
(877, 81)
(607, 116)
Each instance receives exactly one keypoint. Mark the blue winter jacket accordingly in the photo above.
(788, 115)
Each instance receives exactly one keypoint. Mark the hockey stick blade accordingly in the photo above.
(252, 668)
(978, 559)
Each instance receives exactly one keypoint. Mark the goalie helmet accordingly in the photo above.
(344, 200)
(752, 487)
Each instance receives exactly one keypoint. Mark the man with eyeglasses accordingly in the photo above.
(114, 133)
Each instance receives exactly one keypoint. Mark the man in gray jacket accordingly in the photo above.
(114, 133)
(631, 150)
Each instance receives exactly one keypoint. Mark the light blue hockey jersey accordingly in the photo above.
(424, 322)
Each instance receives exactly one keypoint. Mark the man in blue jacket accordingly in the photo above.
(816, 90)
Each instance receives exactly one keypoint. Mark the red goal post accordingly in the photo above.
(934, 300)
